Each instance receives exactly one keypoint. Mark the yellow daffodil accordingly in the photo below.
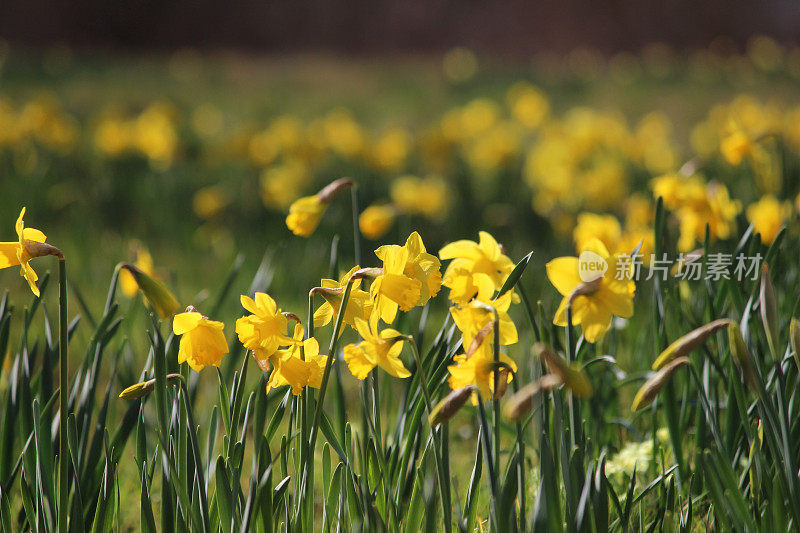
(202, 340)
(736, 146)
(359, 305)
(478, 370)
(298, 366)
(768, 216)
(263, 331)
(22, 251)
(471, 318)
(144, 262)
(423, 196)
(376, 220)
(480, 267)
(606, 228)
(410, 277)
(305, 213)
(378, 348)
(597, 298)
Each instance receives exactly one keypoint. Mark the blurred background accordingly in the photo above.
(182, 131)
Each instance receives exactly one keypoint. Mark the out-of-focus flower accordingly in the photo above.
(144, 262)
(477, 268)
(208, 202)
(376, 220)
(263, 331)
(421, 196)
(478, 370)
(305, 213)
(343, 134)
(155, 134)
(528, 105)
(358, 306)
(767, 216)
(410, 277)
(606, 228)
(202, 340)
(696, 205)
(460, 64)
(736, 146)
(596, 299)
(390, 150)
(30, 244)
(378, 348)
(281, 183)
(301, 365)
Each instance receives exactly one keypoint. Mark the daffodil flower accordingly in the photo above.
(21, 252)
(305, 213)
(202, 340)
(298, 366)
(474, 316)
(594, 301)
(359, 305)
(376, 220)
(478, 370)
(410, 277)
(477, 267)
(378, 348)
(263, 331)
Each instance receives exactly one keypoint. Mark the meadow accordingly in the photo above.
(312, 293)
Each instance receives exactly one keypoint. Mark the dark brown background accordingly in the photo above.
(393, 26)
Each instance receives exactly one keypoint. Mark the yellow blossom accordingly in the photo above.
(767, 216)
(376, 220)
(736, 146)
(298, 366)
(19, 252)
(144, 262)
(478, 370)
(594, 300)
(378, 348)
(471, 318)
(410, 277)
(305, 213)
(208, 202)
(423, 196)
(480, 267)
(202, 340)
(606, 228)
(358, 306)
(263, 331)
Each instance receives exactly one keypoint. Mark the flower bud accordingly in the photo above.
(576, 380)
(449, 406)
(520, 403)
(650, 389)
(794, 339)
(156, 292)
(687, 343)
(741, 355)
(769, 310)
(140, 390)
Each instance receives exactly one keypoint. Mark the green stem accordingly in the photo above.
(63, 463)
(496, 399)
(574, 415)
(444, 482)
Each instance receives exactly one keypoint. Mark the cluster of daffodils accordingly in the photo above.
(152, 134)
(41, 121)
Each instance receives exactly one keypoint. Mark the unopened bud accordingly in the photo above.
(687, 343)
(520, 403)
(156, 292)
(449, 406)
(576, 380)
(650, 389)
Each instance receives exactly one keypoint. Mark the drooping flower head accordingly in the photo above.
(477, 267)
(202, 340)
(478, 370)
(471, 318)
(23, 250)
(300, 365)
(263, 331)
(358, 306)
(597, 298)
(378, 348)
(305, 213)
(410, 277)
